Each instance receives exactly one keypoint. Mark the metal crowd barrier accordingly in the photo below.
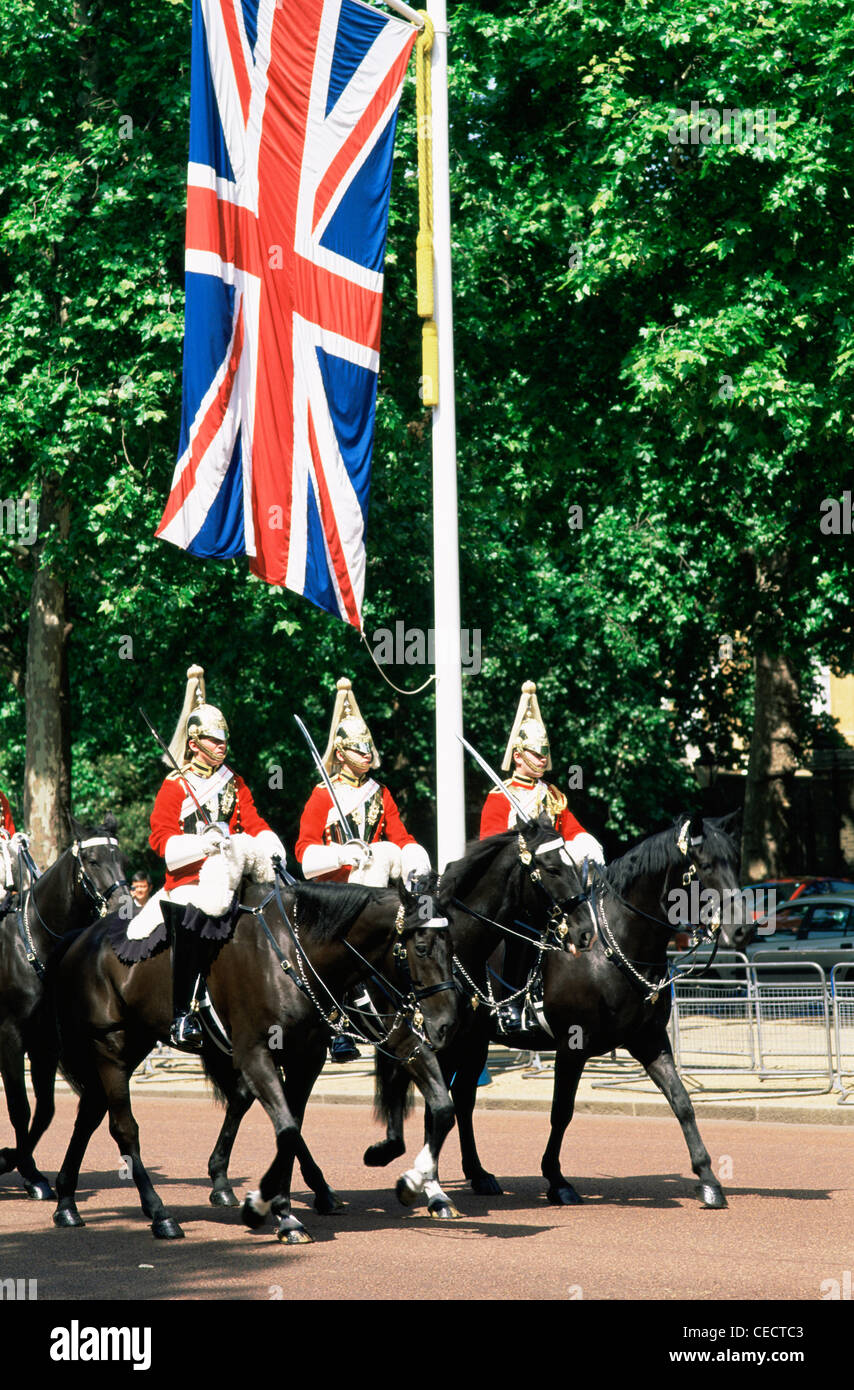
(842, 995)
(752, 1018)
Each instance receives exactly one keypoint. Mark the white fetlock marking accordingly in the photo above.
(257, 1203)
(425, 1163)
(432, 1190)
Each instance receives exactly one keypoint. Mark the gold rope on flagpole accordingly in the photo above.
(424, 241)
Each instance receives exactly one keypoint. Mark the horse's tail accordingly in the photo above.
(392, 1090)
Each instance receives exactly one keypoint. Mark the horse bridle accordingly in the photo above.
(558, 926)
(709, 932)
(100, 900)
(337, 1020)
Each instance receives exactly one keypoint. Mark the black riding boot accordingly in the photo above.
(186, 1030)
(518, 959)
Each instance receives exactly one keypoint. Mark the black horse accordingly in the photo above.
(522, 882)
(67, 896)
(615, 995)
(273, 984)
(506, 877)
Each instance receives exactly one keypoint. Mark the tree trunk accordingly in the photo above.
(767, 843)
(47, 778)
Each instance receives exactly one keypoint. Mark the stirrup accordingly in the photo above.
(186, 1032)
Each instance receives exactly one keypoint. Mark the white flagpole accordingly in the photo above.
(450, 786)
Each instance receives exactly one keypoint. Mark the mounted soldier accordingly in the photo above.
(196, 811)
(529, 757)
(11, 841)
(382, 848)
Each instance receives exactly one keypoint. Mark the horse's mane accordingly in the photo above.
(328, 910)
(459, 874)
(659, 852)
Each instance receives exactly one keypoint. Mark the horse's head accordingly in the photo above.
(99, 867)
(425, 955)
(554, 874)
(712, 855)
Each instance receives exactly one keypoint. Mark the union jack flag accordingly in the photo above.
(293, 108)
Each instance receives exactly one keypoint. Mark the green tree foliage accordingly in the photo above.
(656, 333)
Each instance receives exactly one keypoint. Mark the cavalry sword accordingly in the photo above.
(199, 807)
(327, 782)
(494, 778)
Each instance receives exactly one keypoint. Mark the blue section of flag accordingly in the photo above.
(357, 30)
(318, 581)
(207, 139)
(351, 392)
(209, 314)
(250, 20)
(359, 225)
(222, 536)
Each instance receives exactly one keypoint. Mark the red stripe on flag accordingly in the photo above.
(355, 141)
(230, 232)
(208, 428)
(238, 62)
(330, 531)
(336, 304)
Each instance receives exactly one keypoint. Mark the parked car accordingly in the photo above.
(817, 929)
(787, 890)
(814, 927)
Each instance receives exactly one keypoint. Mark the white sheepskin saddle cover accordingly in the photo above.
(221, 876)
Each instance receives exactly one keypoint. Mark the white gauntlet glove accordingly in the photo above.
(325, 859)
(584, 846)
(269, 842)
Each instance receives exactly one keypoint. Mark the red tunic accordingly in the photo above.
(6, 822)
(166, 821)
(499, 816)
(315, 830)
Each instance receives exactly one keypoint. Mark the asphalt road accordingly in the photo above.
(641, 1234)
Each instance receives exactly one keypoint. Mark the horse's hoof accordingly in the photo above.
(378, 1155)
(290, 1232)
(564, 1196)
(485, 1185)
(8, 1160)
(442, 1209)
(40, 1191)
(67, 1218)
(167, 1228)
(328, 1204)
(406, 1193)
(250, 1217)
(223, 1197)
(712, 1196)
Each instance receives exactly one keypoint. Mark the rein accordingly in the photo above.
(337, 1019)
(614, 953)
(556, 928)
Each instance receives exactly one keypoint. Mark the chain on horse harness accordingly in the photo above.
(101, 900)
(552, 938)
(337, 1020)
(701, 932)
